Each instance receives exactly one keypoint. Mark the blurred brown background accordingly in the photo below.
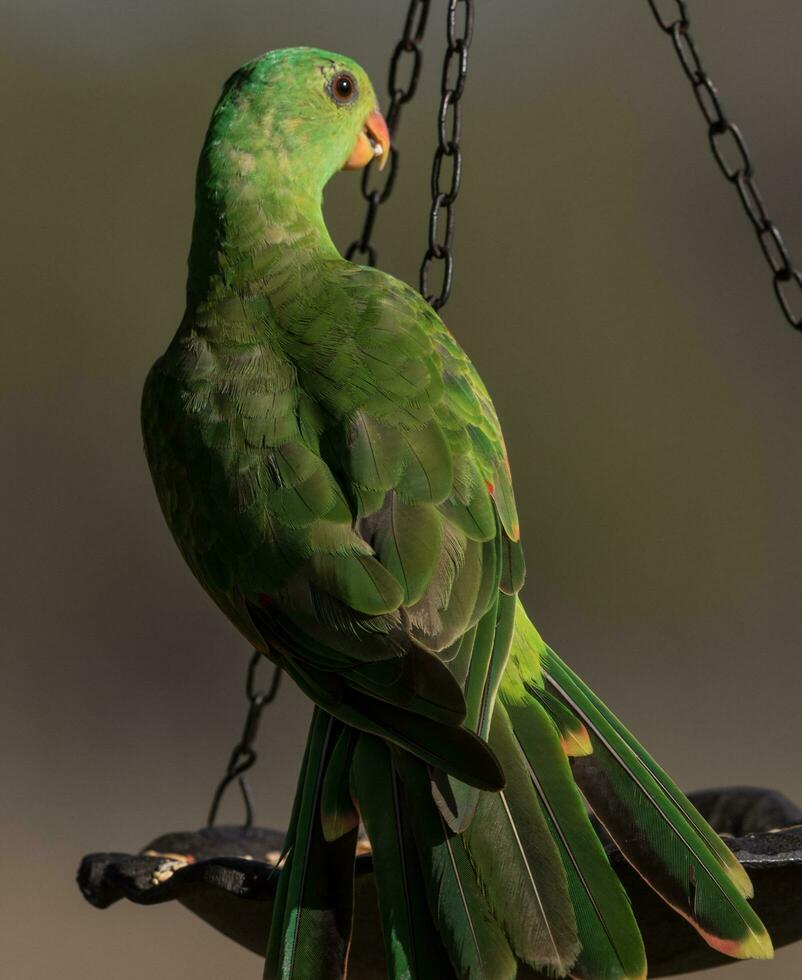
(609, 290)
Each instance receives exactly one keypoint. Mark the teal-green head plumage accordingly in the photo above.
(284, 125)
(333, 470)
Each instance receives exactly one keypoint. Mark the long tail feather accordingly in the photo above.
(484, 676)
(476, 946)
(518, 864)
(337, 811)
(311, 929)
(723, 854)
(573, 734)
(413, 948)
(457, 800)
(612, 948)
(653, 831)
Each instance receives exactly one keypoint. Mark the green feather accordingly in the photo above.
(375, 453)
(611, 945)
(519, 866)
(292, 464)
(417, 681)
(413, 948)
(489, 651)
(428, 472)
(653, 833)
(505, 501)
(729, 863)
(457, 614)
(485, 673)
(359, 581)
(298, 506)
(452, 749)
(304, 486)
(475, 944)
(455, 750)
(329, 538)
(573, 734)
(476, 517)
(337, 811)
(456, 800)
(367, 501)
(458, 655)
(311, 928)
(513, 568)
(408, 544)
(487, 593)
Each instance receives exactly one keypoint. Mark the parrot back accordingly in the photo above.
(334, 473)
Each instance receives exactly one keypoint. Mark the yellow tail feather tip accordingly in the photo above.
(577, 743)
(757, 946)
(741, 879)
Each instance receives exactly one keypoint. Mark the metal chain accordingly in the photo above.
(449, 133)
(243, 755)
(732, 155)
(408, 49)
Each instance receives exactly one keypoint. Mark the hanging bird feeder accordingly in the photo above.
(226, 875)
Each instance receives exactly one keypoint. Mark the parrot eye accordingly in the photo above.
(343, 88)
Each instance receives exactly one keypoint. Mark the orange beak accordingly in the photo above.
(373, 143)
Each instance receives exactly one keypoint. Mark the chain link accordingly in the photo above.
(407, 50)
(243, 756)
(459, 31)
(732, 155)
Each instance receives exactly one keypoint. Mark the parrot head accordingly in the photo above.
(312, 112)
(285, 123)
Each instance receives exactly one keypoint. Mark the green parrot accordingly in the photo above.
(332, 469)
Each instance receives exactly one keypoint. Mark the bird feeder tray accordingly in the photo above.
(227, 876)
